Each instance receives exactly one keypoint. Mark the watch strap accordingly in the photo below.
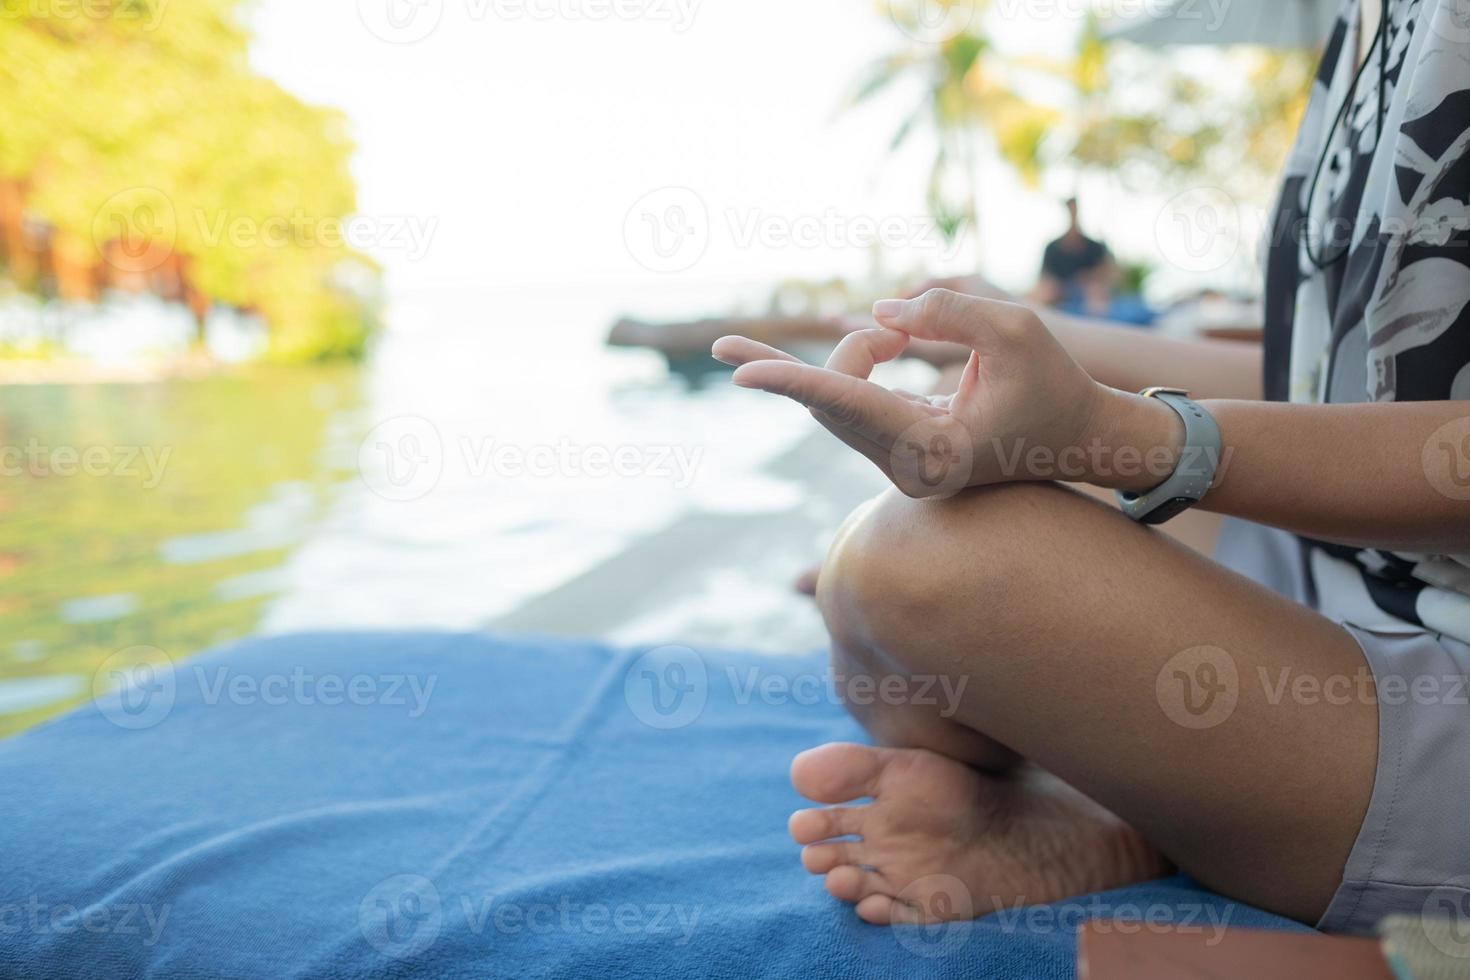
(1194, 471)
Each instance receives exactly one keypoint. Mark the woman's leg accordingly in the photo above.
(1133, 668)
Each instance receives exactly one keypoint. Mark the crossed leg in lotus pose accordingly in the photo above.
(1076, 752)
(1059, 771)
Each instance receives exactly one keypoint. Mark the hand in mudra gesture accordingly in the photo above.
(1020, 390)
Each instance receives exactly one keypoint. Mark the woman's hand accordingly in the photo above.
(1024, 409)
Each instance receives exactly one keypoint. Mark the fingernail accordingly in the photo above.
(889, 309)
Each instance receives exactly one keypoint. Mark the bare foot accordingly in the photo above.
(806, 582)
(943, 841)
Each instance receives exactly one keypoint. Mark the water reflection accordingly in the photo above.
(507, 452)
(101, 551)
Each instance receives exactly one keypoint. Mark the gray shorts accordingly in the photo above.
(1412, 854)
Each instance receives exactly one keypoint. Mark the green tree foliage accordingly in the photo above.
(969, 97)
(141, 119)
(1222, 116)
(1154, 119)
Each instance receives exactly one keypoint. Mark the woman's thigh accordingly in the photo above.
(1184, 697)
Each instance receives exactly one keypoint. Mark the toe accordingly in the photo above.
(850, 883)
(838, 772)
(822, 858)
(877, 909)
(810, 826)
(882, 909)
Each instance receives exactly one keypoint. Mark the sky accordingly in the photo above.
(545, 142)
(682, 148)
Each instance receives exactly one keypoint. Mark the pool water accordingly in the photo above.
(488, 451)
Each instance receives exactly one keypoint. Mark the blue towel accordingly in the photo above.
(446, 805)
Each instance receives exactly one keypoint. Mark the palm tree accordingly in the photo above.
(969, 102)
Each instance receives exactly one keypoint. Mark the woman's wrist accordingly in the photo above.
(1133, 443)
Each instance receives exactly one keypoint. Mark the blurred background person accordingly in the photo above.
(1077, 272)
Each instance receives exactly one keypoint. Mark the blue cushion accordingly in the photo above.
(456, 805)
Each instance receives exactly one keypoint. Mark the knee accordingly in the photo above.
(898, 564)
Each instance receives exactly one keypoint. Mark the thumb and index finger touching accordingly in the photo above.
(841, 391)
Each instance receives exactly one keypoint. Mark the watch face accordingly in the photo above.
(1168, 509)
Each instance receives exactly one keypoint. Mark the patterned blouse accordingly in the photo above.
(1368, 282)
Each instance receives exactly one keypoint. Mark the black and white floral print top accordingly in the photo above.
(1368, 282)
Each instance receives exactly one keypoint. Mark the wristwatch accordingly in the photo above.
(1194, 471)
